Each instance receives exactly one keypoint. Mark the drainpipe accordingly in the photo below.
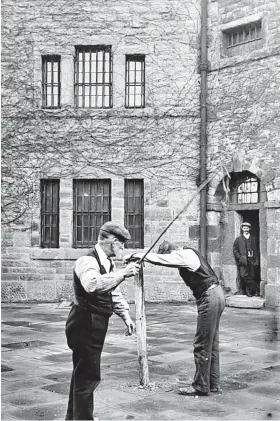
(203, 124)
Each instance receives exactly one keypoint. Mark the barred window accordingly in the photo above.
(51, 81)
(243, 34)
(244, 188)
(135, 81)
(92, 208)
(93, 77)
(134, 211)
(49, 213)
(247, 190)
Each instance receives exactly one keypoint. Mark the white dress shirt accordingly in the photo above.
(88, 271)
(177, 258)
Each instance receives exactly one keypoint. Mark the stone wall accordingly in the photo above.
(159, 143)
(244, 128)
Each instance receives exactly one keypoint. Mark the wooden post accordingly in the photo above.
(141, 329)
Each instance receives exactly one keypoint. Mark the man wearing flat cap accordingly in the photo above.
(97, 297)
(247, 260)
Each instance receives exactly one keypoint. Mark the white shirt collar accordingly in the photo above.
(104, 260)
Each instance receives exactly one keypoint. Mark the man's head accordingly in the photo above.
(112, 237)
(166, 247)
(245, 227)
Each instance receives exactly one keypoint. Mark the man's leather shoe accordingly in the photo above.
(190, 391)
(215, 389)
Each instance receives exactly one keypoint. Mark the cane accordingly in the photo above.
(196, 193)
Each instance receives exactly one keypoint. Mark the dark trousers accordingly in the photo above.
(249, 276)
(85, 334)
(206, 343)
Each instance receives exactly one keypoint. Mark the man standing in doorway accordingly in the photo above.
(96, 297)
(247, 260)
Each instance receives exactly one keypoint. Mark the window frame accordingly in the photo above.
(235, 32)
(54, 230)
(91, 85)
(238, 180)
(45, 84)
(104, 216)
(134, 58)
(133, 243)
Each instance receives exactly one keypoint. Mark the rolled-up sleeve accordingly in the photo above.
(87, 270)
(120, 305)
(176, 259)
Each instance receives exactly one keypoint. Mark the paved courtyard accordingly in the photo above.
(36, 366)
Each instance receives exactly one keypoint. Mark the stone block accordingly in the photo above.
(13, 291)
(228, 275)
(273, 261)
(272, 246)
(273, 215)
(242, 301)
(213, 218)
(159, 214)
(35, 226)
(194, 231)
(272, 296)
(213, 231)
(35, 239)
(41, 291)
(10, 277)
(66, 204)
(273, 195)
(217, 270)
(64, 290)
(214, 245)
(118, 215)
(271, 275)
(215, 259)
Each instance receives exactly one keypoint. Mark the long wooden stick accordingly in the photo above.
(201, 187)
(141, 329)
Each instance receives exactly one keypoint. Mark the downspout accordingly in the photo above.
(203, 124)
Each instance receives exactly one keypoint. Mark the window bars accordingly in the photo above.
(134, 211)
(49, 213)
(51, 85)
(244, 34)
(247, 190)
(92, 208)
(93, 77)
(135, 81)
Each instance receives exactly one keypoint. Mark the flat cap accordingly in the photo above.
(116, 229)
(246, 224)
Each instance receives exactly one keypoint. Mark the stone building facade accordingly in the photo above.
(141, 130)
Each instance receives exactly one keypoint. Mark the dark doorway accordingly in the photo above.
(252, 216)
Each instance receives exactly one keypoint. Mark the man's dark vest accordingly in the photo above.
(96, 302)
(200, 280)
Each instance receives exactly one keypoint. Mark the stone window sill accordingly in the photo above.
(66, 253)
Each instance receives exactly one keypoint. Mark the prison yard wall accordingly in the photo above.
(243, 131)
(158, 144)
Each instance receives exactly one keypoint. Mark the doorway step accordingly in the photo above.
(242, 301)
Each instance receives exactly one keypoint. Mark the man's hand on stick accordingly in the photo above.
(132, 257)
(131, 269)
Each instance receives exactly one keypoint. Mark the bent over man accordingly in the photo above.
(97, 296)
(200, 277)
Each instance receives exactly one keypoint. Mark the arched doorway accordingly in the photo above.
(240, 199)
